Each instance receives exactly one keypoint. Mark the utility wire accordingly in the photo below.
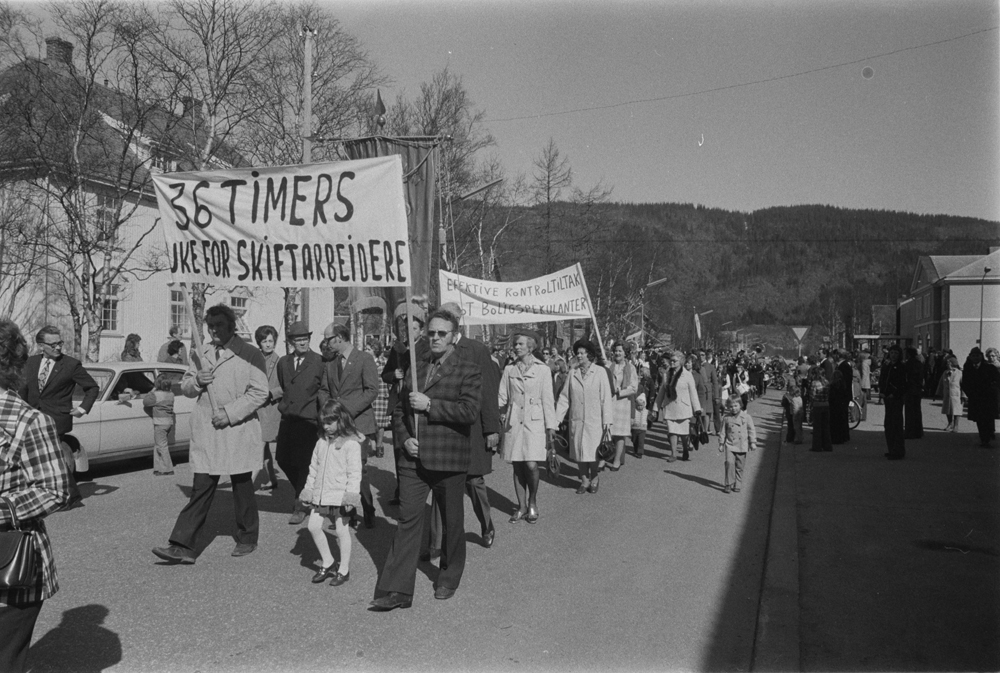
(744, 84)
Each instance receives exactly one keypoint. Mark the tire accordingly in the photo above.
(854, 414)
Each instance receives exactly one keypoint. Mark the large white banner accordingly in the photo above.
(315, 225)
(558, 296)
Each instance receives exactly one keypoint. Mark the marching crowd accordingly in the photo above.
(451, 404)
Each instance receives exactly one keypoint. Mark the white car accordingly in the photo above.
(119, 426)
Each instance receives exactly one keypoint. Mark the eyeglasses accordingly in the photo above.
(440, 334)
(52, 344)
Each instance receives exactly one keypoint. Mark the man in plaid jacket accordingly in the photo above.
(434, 423)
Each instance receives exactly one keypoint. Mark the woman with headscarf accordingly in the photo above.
(587, 399)
(677, 403)
(266, 337)
(34, 482)
(528, 404)
(624, 385)
(981, 383)
(130, 353)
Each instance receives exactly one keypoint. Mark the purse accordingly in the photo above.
(606, 449)
(18, 557)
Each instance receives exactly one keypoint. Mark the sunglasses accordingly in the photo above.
(440, 334)
(53, 344)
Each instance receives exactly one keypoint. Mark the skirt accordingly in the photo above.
(679, 427)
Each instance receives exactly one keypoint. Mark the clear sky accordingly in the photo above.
(921, 134)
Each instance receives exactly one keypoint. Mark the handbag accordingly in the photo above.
(18, 557)
(606, 449)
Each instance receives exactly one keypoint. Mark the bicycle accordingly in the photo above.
(854, 414)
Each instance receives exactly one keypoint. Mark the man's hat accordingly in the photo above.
(298, 329)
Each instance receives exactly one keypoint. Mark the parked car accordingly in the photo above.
(119, 426)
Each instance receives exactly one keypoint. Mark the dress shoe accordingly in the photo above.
(518, 515)
(443, 593)
(324, 573)
(727, 489)
(593, 486)
(391, 601)
(162, 474)
(339, 579)
(298, 516)
(583, 488)
(638, 456)
(532, 515)
(736, 489)
(175, 554)
(244, 548)
(614, 468)
(380, 451)
(488, 537)
(670, 459)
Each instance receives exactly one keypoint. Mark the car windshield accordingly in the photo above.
(103, 377)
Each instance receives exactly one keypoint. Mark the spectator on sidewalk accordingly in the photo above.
(819, 395)
(791, 402)
(164, 356)
(893, 388)
(981, 382)
(952, 397)
(266, 337)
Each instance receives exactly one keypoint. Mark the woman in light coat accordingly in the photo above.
(952, 397)
(677, 403)
(587, 399)
(266, 337)
(526, 399)
(624, 385)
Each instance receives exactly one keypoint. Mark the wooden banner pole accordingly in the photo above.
(593, 316)
(196, 338)
(413, 352)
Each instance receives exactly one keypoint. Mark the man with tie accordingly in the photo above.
(434, 422)
(49, 381)
(227, 378)
(299, 375)
(351, 377)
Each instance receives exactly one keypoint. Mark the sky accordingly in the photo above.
(759, 104)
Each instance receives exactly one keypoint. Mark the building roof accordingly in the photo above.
(974, 269)
(937, 269)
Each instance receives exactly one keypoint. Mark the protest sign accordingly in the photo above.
(558, 296)
(317, 225)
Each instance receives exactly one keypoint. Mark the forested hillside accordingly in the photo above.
(805, 265)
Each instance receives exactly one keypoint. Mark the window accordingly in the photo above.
(239, 306)
(179, 313)
(106, 217)
(109, 310)
(927, 305)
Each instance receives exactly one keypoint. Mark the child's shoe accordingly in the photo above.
(339, 579)
(323, 573)
(727, 489)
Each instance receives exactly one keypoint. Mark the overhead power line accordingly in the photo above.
(740, 85)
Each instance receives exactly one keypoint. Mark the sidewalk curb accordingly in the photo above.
(776, 641)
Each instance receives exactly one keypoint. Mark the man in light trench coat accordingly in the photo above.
(225, 440)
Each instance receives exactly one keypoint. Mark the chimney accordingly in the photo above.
(59, 54)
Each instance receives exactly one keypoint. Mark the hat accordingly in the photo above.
(298, 329)
(531, 334)
(452, 308)
(415, 310)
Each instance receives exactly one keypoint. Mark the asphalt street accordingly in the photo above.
(660, 570)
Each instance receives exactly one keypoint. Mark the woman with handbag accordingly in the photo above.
(528, 405)
(33, 482)
(677, 403)
(587, 399)
(624, 386)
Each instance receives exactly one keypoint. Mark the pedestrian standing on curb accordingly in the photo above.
(34, 482)
(981, 382)
(791, 402)
(952, 397)
(738, 437)
(893, 387)
(333, 489)
(160, 400)
(225, 434)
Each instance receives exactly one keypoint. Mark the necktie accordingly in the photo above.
(340, 367)
(43, 373)
(431, 371)
(298, 362)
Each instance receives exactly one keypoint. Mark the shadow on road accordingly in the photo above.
(79, 643)
(697, 480)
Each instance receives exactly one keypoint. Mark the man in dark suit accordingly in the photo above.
(485, 437)
(434, 422)
(49, 381)
(299, 375)
(352, 378)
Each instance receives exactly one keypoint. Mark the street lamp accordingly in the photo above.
(642, 310)
(982, 288)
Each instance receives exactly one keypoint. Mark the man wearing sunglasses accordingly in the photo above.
(433, 422)
(49, 381)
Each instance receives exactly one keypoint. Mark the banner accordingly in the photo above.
(558, 296)
(339, 224)
(419, 157)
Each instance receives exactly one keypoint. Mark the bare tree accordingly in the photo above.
(23, 250)
(552, 174)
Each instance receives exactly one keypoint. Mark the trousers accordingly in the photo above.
(475, 488)
(895, 432)
(195, 512)
(17, 623)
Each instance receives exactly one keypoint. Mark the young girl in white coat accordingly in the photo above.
(333, 488)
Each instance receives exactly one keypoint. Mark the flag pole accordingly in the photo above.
(413, 352)
(196, 338)
(593, 316)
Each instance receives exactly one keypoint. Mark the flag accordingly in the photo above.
(697, 326)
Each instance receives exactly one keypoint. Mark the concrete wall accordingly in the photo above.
(963, 319)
